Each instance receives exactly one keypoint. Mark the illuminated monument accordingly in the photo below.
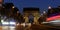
(31, 12)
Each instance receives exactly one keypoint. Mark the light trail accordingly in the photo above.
(53, 18)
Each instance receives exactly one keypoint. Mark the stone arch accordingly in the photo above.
(31, 11)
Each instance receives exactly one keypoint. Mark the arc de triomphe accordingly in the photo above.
(31, 11)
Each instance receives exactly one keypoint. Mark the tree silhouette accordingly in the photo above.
(11, 12)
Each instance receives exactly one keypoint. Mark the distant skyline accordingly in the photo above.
(42, 4)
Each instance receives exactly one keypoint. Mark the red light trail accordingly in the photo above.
(53, 18)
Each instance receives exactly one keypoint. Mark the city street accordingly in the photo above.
(39, 27)
(29, 15)
(32, 27)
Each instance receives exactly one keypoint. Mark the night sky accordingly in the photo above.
(42, 4)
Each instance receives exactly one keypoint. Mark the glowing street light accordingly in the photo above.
(13, 7)
(49, 7)
(44, 12)
(2, 21)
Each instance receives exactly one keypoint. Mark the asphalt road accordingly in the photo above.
(35, 27)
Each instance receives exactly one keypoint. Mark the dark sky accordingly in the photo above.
(42, 4)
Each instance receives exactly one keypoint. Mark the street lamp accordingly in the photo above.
(13, 7)
(49, 7)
